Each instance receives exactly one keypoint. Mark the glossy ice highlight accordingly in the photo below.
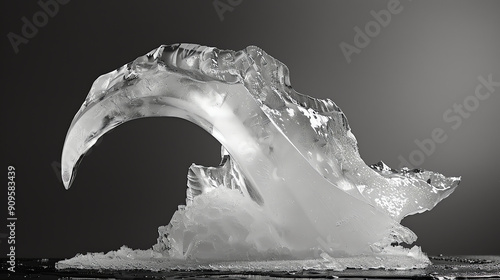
(291, 184)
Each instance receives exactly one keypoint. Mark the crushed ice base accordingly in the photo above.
(223, 225)
(128, 259)
(291, 190)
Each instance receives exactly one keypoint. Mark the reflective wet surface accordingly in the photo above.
(443, 267)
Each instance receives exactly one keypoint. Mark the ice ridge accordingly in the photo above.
(291, 184)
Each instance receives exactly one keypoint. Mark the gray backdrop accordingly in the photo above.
(399, 81)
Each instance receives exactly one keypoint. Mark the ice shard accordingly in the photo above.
(291, 184)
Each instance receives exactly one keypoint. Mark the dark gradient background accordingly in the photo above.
(394, 92)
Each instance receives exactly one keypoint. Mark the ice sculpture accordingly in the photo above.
(291, 185)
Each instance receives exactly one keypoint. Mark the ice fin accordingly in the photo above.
(291, 175)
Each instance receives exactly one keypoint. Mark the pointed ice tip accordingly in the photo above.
(66, 178)
(68, 173)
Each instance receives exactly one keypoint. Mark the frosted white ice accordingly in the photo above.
(291, 185)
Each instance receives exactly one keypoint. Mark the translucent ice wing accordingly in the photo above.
(319, 130)
(213, 89)
(406, 192)
(294, 155)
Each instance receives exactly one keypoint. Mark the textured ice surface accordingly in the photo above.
(291, 185)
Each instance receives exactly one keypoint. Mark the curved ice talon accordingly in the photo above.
(292, 154)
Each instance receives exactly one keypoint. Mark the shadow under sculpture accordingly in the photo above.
(291, 185)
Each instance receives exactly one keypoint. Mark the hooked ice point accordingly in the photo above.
(241, 98)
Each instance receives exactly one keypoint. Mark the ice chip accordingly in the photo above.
(291, 185)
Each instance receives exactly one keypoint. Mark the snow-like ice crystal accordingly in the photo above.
(291, 185)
